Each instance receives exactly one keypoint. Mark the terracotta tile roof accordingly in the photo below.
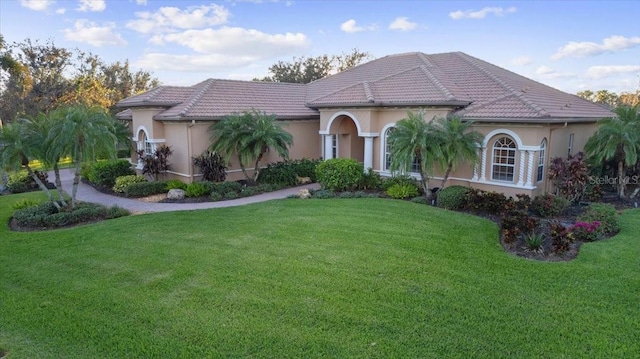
(477, 89)
(215, 99)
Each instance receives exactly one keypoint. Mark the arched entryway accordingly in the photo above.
(343, 138)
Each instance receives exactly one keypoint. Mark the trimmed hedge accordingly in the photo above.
(123, 182)
(453, 197)
(286, 173)
(145, 189)
(105, 173)
(47, 216)
(339, 174)
(604, 213)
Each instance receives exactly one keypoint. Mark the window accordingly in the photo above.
(541, 158)
(570, 143)
(504, 159)
(415, 165)
(334, 146)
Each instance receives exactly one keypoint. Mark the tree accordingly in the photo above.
(307, 69)
(83, 133)
(22, 141)
(249, 135)
(457, 144)
(415, 139)
(603, 97)
(617, 139)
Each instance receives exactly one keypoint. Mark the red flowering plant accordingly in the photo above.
(586, 231)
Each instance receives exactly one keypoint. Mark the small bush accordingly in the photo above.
(419, 200)
(47, 216)
(145, 189)
(549, 205)
(534, 241)
(25, 203)
(346, 194)
(105, 173)
(322, 194)
(215, 196)
(487, 201)
(196, 189)
(249, 191)
(605, 214)
(453, 197)
(286, 173)
(176, 184)
(398, 179)
(339, 174)
(19, 182)
(561, 237)
(371, 180)
(212, 166)
(224, 187)
(515, 223)
(231, 195)
(123, 182)
(586, 231)
(402, 191)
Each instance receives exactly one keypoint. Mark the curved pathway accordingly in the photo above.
(87, 193)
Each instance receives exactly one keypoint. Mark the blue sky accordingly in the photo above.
(570, 45)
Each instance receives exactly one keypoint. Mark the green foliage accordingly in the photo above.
(561, 237)
(371, 180)
(402, 191)
(176, 184)
(603, 213)
(46, 215)
(534, 241)
(145, 189)
(197, 189)
(25, 203)
(398, 179)
(105, 173)
(123, 153)
(548, 205)
(322, 194)
(419, 200)
(514, 223)
(19, 182)
(123, 182)
(216, 196)
(212, 166)
(157, 162)
(339, 174)
(287, 172)
(486, 201)
(453, 197)
(569, 176)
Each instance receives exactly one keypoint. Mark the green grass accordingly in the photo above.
(360, 278)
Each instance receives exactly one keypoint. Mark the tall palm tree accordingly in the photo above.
(249, 135)
(414, 138)
(22, 140)
(617, 139)
(457, 144)
(84, 133)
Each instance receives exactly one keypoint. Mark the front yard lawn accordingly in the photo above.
(368, 278)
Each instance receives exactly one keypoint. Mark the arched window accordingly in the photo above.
(415, 165)
(504, 159)
(541, 160)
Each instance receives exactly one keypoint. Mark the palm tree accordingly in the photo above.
(457, 144)
(250, 135)
(617, 139)
(84, 133)
(21, 142)
(414, 139)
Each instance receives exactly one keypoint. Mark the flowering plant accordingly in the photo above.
(586, 231)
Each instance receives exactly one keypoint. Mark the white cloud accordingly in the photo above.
(547, 73)
(350, 27)
(403, 24)
(193, 63)
(141, 2)
(238, 41)
(37, 5)
(61, 11)
(481, 14)
(598, 72)
(583, 49)
(522, 61)
(168, 19)
(91, 5)
(544, 70)
(89, 32)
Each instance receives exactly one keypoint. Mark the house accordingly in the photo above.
(350, 114)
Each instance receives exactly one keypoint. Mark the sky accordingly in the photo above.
(570, 45)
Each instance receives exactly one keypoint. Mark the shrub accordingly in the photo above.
(226, 187)
(231, 195)
(346, 194)
(212, 166)
(534, 241)
(322, 194)
(515, 222)
(398, 179)
(123, 182)
(249, 191)
(105, 173)
(569, 176)
(586, 231)
(371, 180)
(215, 196)
(524, 202)
(593, 192)
(402, 191)
(157, 162)
(561, 237)
(279, 172)
(549, 205)
(176, 184)
(19, 182)
(144, 189)
(419, 200)
(339, 174)
(25, 203)
(196, 189)
(46, 215)
(124, 153)
(453, 197)
(490, 202)
(603, 213)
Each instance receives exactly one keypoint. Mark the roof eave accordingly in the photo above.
(218, 118)
(122, 104)
(544, 120)
(388, 104)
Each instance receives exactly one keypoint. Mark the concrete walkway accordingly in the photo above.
(87, 193)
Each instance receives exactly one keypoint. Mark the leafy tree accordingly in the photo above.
(307, 69)
(84, 133)
(618, 139)
(413, 138)
(630, 99)
(22, 141)
(457, 144)
(249, 135)
(603, 97)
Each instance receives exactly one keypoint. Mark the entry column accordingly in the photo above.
(328, 147)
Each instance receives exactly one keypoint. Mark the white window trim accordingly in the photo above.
(385, 171)
(493, 155)
(542, 157)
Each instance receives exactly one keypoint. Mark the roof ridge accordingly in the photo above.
(437, 82)
(422, 56)
(541, 111)
(195, 98)
(367, 92)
